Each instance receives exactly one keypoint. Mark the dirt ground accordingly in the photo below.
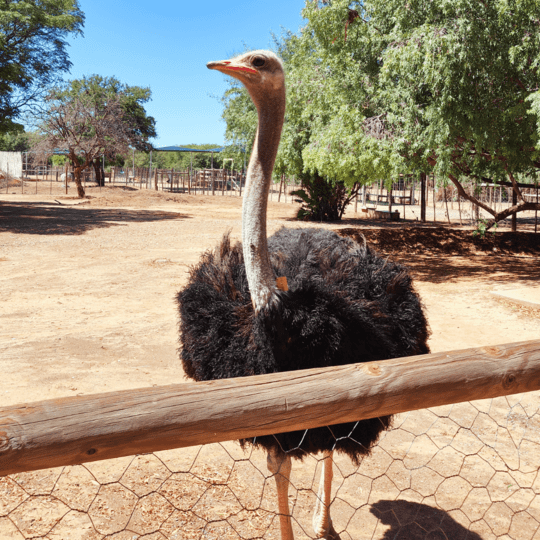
(87, 295)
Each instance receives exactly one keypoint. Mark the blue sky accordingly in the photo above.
(165, 44)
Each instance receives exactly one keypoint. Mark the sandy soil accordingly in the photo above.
(87, 295)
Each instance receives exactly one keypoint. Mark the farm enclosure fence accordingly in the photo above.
(467, 470)
(442, 204)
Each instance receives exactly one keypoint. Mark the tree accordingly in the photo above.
(139, 127)
(455, 85)
(85, 129)
(33, 51)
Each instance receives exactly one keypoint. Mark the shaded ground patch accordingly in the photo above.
(422, 241)
(43, 218)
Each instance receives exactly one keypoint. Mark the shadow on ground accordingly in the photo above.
(414, 521)
(442, 240)
(43, 218)
(497, 270)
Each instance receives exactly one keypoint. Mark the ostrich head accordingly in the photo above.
(261, 72)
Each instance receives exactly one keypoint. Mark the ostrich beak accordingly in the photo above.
(229, 68)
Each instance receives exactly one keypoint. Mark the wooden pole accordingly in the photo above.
(74, 430)
(434, 200)
(514, 216)
(423, 197)
(536, 212)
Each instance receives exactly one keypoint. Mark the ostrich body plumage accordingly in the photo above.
(345, 304)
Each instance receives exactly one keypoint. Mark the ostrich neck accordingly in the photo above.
(260, 276)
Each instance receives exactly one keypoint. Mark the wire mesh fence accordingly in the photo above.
(208, 182)
(463, 471)
(443, 204)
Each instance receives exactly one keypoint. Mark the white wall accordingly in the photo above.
(11, 162)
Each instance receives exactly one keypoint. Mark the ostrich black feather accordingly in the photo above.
(345, 304)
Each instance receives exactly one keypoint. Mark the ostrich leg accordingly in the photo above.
(322, 523)
(280, 466)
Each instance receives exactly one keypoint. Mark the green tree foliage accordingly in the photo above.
(454, 84)
(240, 117)
(14, 141)
(382, 87)
(33, 51)
(96, 116)
(85, 128)
(131, 98)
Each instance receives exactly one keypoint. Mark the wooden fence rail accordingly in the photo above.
(76, 430)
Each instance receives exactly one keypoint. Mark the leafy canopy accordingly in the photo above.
(33, 53)
(101, 90)
(455, 82)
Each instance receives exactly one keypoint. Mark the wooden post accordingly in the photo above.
(156, 180)
(446, 203)
(66, 177)
(514, 216)
(434, 201)
(74, 430)
(423, 197)
(536, 211)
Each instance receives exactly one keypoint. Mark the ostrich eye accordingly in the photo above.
(258, 61)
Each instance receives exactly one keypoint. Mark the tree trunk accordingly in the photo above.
(99, 172)
(77, 176)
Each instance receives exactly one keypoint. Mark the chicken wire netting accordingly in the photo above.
(463, 471)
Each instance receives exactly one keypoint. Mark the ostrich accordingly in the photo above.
(303, 298)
